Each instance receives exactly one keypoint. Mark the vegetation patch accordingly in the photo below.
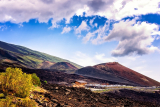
(17, 87)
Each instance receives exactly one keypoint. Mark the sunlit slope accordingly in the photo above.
(27, 57)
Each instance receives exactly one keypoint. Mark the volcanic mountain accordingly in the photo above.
(63, 66)
(116, 72)
(19, 56)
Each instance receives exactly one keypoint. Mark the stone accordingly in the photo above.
(54, 100)
(68, 90)
(67, 93)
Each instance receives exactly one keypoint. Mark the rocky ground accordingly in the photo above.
(61, 96)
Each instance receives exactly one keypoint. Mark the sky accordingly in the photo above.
(87, 32)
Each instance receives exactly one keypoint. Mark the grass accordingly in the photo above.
(38, 89)
(100, 91)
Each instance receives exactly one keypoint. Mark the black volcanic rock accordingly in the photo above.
(80, 97)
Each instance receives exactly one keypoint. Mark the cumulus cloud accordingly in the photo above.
(19, 11)
(66, 30)
(82, 27)
(118, 9)
(134, 38)
(100, 33)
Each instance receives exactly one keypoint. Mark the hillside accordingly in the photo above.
(101, 74)
(18, 55)
(63, 66)
(117, 73)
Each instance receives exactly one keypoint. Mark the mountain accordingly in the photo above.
(19, 56)
(116, 72)
(63, 66)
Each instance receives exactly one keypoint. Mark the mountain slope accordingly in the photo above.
(117, 73)
(122, 71)
(63, 66)
(101, 74)
(27, 57)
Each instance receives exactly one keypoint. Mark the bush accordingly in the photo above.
(35, 80)
(1, 77)
(16, 81)
(26, 103)
(45, 81)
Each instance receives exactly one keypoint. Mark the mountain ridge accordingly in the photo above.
(27, 57)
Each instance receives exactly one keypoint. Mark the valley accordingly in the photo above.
(69, 84)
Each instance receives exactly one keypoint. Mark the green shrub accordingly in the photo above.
(35, 80)
(45, 81)
(16, 81)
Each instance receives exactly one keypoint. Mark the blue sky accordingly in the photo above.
(87, 32)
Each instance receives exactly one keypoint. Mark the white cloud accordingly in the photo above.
(87, 37)
(102, 58)
(158, 37)
(20, 25)
(79, 36)
(82, 27)
(19, 11)
(95, 24)
(66, 30)
(134, 38)
(91, 22)
(100, 33)
(3, 27)
(86, 60)
(118, 9)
